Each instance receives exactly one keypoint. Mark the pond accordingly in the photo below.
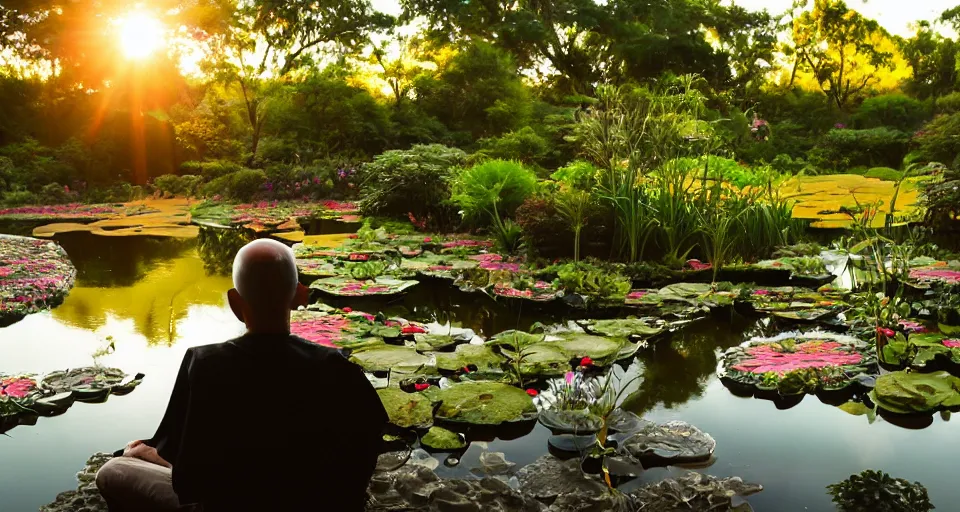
(154, 298)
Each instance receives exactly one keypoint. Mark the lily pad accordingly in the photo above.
(381, 358)
(794, 364)
(427, 342)
(406, 410)
(622, 328)
(87, 383)
(483, 356)
(540, 291)
(316, 267)
(439, 438)
(346, 287)
(578, 422)
(485, 403)
(513, 339)
(34, 275)
(908, 393)
(671, 443)
(601, 350)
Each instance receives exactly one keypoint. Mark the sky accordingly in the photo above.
(895, 15)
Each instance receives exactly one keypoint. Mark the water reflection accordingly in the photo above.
(104, 261)
(678, 370)
(218, 247)
(155, 302)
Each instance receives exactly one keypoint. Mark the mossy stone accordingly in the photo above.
(439, 438)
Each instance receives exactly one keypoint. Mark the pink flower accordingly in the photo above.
(637, 294)
(698, 265)
(412, 329)
(951, 343)
(427, 240)
(347, 310)
(359, 257)
(911, 326)
(761, 292)
(420, 386)
(532, 392)
(569, 377)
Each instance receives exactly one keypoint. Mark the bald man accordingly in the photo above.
(264, 422)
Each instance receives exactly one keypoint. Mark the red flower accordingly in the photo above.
(412, 329)
(347, 310)
(586, 361)
(427, 240)
(532, 392)
(352, 237)
(465, 369)
(889, 333)
(420, 386)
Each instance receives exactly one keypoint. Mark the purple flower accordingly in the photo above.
(840, 126)
(269, 186)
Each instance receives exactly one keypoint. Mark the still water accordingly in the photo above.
(155, 298)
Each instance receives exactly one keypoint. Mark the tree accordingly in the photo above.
(478, 93)
(933, 59)
(266, 41)
(844, 51)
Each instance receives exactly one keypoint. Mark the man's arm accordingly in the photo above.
(367, 430)
(167, 439)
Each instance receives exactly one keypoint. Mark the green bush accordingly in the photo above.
(493, 190)
(892, 110)
(171, 184)
(939, 140)
(243, 185)
(579, 174)
(210, 170)
(55, 193)
(524, 145)
(884, 173)
(413, 182)
(840, 149)
(949, 104)
(19, 198)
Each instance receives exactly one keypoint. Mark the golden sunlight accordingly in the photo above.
(140, 35)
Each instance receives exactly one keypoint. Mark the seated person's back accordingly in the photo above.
(269, 421)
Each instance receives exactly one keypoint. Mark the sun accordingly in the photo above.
(140, 35)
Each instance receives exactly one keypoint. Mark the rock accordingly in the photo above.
(580, 502)
(390, 461)
(418, 488)
(420, 457)
(625, 422)
(493, 463)
(672, 442)
(695, 491)
(86, 498)
(439, 438)
(549, 477)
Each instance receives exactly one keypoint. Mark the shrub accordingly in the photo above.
(841, 149)
(285, 181)
(55, 193)
(892, 110)
(210, 170)
(949, 104)
(242, 185)
(544, 230)
(19, 198)
(524, 145)
(884, 173)
(939, 140)
(171, 184)
(579, 174)
(493, 190)
(414, 182)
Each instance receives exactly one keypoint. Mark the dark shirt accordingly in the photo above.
(271, 423)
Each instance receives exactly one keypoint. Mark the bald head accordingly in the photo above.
(265, 276)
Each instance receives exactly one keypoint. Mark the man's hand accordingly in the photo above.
(139, 450)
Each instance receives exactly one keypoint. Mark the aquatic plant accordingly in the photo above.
(573, 206)
(876, 491)
(911, 392)
(34, 275)
(592, 281)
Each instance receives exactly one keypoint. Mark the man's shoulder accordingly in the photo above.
(288, 345)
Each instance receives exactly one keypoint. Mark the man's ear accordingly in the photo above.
(301, 297)
(236, 303)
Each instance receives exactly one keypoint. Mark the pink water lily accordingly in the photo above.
(929, 274)
(772, 357)
(761, 292)
(698, 265)
(913, 327)
(498, 267)
(639, 294)
(951, 343)
(486, 258)
(16, 387)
